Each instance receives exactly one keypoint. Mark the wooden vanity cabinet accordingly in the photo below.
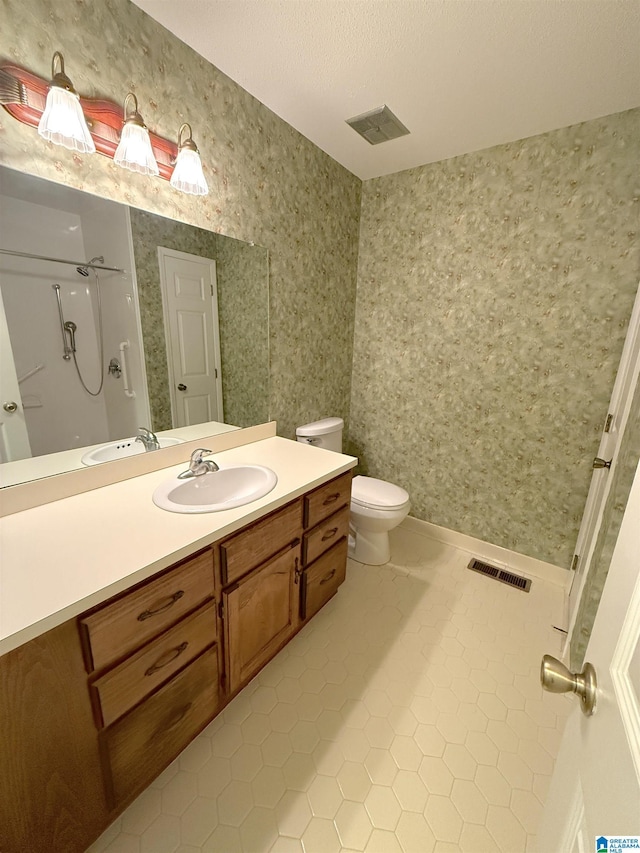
(324, 543)
(154, 672)
(259, 569)
(140, 745)
(92, 711)
(51, 789)
(260, 615)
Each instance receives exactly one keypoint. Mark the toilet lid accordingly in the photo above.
(372, 493)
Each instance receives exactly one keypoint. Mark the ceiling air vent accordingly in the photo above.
(500, 575)
(379, 125)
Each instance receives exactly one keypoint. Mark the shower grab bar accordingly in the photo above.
(124, 346)
(67, 348)
(30, 373)
(59, 261)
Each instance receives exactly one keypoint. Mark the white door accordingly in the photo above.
(621, 398)
(190, 304)
(595, 791)
(14, 439)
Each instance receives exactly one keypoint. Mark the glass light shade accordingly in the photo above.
(134, 151)
(63, 122)
(188, 176)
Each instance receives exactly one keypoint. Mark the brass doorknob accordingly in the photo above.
(10, 406)
(600, 463)
(182, 387)
(556, 678)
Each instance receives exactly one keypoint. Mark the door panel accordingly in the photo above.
(598, 766)
(193, 343)
(260, 616)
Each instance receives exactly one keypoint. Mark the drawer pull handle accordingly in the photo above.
(329, 534)
(328, 577)
(147, 614)
(166, 658)
(331, 499)
(179, 717)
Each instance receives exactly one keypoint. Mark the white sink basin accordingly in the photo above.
(218, 490)
(122, 449)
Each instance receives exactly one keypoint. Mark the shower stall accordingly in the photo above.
(72, 323)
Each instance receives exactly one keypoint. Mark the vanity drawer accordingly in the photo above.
(324, 535)
(122, 626)
(141, 745)
(322, 578)
(243, 552)
(127, 684)
(326, 500)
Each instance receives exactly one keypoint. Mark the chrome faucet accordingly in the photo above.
(148, 438)
(199, 466)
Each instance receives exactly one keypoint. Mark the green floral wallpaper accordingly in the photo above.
(268, 184)
(243, 307)
(494, 291)
(242, 273)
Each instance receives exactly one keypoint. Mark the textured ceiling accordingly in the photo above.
(462, 75)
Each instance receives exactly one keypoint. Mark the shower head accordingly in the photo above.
(85, 269)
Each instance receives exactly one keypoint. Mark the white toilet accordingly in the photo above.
(376, 506)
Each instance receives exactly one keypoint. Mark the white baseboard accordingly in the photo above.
(503, 557)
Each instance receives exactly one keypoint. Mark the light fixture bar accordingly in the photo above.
(23, 96)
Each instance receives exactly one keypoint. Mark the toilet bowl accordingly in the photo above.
(376, 506)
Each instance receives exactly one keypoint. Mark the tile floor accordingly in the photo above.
(406, 717)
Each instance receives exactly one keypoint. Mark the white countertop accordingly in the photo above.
(62, 558)
(36, 467)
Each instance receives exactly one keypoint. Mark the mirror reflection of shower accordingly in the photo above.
(53, 232)
(69, 328)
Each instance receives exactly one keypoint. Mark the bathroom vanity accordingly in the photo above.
(95, 707)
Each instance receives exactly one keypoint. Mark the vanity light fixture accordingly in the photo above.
(188, 176)
(31, 100)
(134, 151)
(63, 121)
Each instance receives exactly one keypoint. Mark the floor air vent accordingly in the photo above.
(501, 575)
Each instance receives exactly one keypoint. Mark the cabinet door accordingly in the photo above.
(260, 615)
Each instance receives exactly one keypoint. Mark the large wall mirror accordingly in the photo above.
(148, 322)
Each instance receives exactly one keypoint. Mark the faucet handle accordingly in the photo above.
(196, 456)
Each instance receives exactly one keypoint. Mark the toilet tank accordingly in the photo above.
(326, 433)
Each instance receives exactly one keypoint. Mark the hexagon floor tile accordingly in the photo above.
(407, 716)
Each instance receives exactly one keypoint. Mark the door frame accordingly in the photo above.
(14, 434)
(622, 394)
(164, 252)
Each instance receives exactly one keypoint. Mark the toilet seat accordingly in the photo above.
(371, 493)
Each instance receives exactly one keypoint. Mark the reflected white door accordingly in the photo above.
(190, 305)
(623, 389)
(14, 439)
(595, 790)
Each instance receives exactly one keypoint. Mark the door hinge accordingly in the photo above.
(574, 562)
(211, 286)
(215, 370)
(608, 423)
(221, 610)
